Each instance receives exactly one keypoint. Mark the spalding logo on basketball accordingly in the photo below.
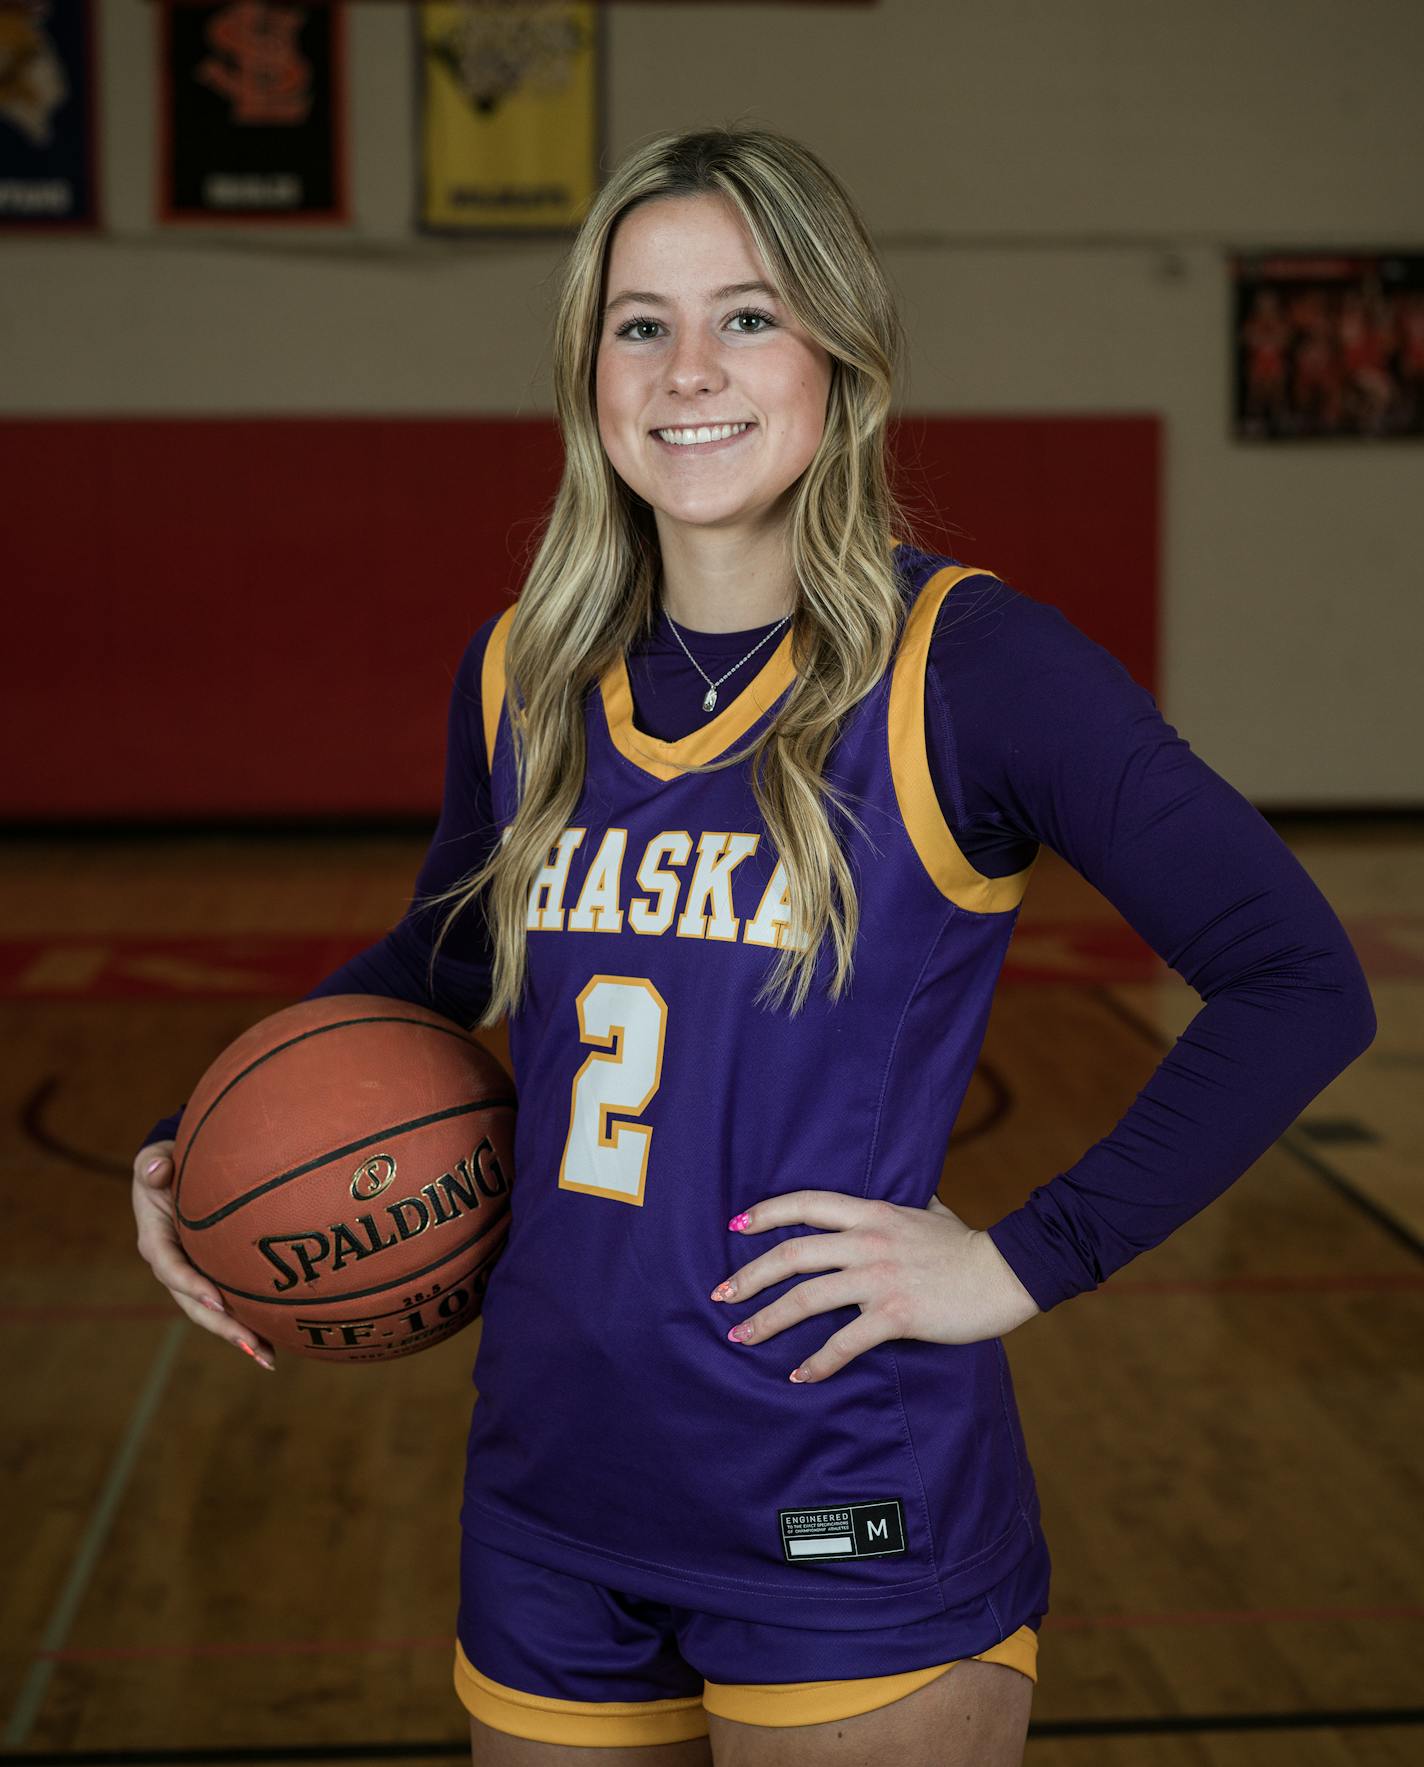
(342, 1175)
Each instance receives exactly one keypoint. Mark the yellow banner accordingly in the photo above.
(510, 117)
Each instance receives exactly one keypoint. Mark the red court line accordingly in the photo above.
(314, 1647)
(82, 1313)
(1231, 1617)
(1076, 1623)
(119, 966)
(1127, 1288)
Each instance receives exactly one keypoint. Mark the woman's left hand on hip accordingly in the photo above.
(914, 1273)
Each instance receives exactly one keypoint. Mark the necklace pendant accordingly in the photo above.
(709, 699)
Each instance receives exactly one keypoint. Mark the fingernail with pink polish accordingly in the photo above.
(738, 1222)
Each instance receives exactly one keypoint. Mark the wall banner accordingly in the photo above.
(253, 122)
(510, 114)
(47, 176)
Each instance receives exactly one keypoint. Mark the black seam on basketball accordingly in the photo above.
(374, 1018)
(336, 1153)
(356, 1294)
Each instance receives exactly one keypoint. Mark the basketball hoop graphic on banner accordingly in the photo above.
(510, 115)
(495, 48)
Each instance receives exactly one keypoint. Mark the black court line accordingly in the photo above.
(38, 1134)
(1291, 1142)
(1370, 1717)
(1362, 1718)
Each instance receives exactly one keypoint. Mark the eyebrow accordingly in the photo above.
(644, 298)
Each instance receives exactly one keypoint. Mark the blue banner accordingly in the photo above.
(47, 177)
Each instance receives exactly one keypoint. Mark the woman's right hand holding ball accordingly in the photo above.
(159, 1246)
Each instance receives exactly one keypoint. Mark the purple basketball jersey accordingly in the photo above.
(616, 1434)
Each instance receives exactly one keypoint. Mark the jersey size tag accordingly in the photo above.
(843, 1530)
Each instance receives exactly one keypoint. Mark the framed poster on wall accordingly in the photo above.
(1329, 346)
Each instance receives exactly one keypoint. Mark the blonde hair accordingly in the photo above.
(589, 593)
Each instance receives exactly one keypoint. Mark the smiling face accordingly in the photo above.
(689, 351)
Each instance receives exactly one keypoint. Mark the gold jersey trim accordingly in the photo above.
(951, 872)
(492, 679)
(666, 760)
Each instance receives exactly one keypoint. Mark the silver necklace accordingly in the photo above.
(709, 699)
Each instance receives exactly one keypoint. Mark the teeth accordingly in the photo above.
(687, 437)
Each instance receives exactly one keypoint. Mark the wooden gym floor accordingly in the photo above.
(204, 1561)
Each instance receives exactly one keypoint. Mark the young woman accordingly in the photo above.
(742, 797)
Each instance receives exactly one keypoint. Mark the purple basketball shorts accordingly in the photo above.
(551, 1657)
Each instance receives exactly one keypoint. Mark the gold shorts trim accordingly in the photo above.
(630, 1723)
(601, 1724)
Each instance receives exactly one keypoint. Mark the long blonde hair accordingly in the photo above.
(589, 593)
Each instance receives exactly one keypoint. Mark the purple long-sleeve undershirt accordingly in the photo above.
(1036, 734)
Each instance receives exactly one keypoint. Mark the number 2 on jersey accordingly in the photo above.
(627, 1018)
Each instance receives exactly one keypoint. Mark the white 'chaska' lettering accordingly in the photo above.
(667, 876)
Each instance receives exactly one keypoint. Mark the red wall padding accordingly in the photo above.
(260, 618)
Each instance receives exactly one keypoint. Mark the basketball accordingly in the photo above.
(342, 1174)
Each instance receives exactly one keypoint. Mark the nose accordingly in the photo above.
(692, 368)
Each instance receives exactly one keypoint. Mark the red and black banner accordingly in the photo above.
(47, 181)
(253, 113)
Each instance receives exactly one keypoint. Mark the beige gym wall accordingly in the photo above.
(1055, 189)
